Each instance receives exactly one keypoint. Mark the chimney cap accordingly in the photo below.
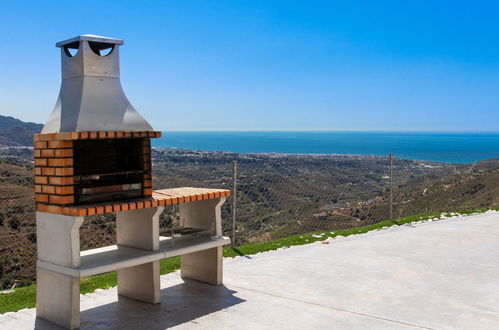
(90, 37)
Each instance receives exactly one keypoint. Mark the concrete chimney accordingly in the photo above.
(91, 97)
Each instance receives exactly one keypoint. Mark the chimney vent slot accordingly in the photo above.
(101, 48)
(72, 49)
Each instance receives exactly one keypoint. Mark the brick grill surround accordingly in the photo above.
(54, 165)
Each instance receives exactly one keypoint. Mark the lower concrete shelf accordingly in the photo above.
(112, 258)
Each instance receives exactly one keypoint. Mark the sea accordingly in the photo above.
(441, 147)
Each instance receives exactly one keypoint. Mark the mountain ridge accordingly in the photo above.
(15, 132)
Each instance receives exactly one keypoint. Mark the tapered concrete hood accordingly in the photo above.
(91, 97)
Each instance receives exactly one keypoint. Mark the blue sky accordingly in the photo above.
(270, 65)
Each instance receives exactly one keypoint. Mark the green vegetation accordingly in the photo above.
(25, 297)
(21, 298)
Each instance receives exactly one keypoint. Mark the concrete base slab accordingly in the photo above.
(440, 275)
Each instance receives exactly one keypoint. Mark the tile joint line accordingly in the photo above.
(331, 307)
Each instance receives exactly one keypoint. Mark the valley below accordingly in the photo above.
(277, 195)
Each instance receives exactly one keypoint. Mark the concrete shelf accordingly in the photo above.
(112, 258)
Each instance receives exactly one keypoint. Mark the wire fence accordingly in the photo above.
(277, 196)
(349, 194)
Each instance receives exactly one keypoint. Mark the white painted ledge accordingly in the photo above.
(112, 258)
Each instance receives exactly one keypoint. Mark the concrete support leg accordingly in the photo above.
(58, 298)
(57, 295)
(140, 282)
(58, 239)
(139, 229)
(204, 266)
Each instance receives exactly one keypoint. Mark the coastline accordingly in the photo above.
(458, 148)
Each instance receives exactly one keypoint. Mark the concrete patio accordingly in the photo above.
(434, 275)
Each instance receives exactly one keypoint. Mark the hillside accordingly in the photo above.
(469, 188)
(465, 190)
(278, 195)
(14, 132)
(281, 195)
(17, 224)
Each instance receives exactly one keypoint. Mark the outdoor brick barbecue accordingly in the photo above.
(94, 157)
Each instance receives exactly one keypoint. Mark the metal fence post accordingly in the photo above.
(391, 186)
(234, 201)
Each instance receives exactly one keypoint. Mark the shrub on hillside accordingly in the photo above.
(14, 223)
(32, 236)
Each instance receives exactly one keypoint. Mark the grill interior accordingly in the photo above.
(108, 169)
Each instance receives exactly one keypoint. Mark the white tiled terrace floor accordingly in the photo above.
(439, 275)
